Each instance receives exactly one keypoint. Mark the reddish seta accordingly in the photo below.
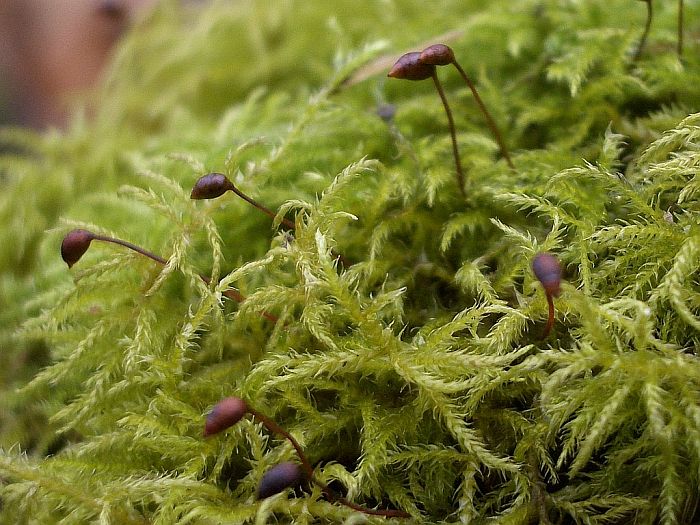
(547, 269)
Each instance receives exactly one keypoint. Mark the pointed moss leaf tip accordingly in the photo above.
(74, 245)
(278, 478)
(410, 67)
(437, 55)
(211, 186)
(547, 269)
(225, 414)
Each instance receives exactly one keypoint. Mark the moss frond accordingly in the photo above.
(396, 331)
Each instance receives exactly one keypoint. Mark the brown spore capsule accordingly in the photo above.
(225, 414)
(410, 67)
(74, 245)
(547, 269)
(278, 478)
(437, 55)
(211, 186)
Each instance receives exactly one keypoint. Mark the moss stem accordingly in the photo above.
(231, 294)
(550, 317)
(645, 34)
(132, 247)
(489, 119)
(287, 223)
(273, 427)
(453, 133)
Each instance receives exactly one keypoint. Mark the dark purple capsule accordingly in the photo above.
(74, 245)
(225, 414)
(437, 55)
(211, 186)
(548, 271)
(409, 67)
(278, 478)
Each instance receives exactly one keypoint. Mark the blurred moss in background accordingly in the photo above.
(53, 52)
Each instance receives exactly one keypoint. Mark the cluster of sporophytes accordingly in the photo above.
(481, 312)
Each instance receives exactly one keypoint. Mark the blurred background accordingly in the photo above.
(54, 51)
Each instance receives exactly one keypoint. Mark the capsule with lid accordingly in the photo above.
(278, 478)
(410, 67)
(211, 186)
(74, 245)
(547, 269)
(225, 414)
(437, 55)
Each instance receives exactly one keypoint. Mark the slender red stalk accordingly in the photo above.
(273, 427)
(231, 294)
(213, 185)
(453, 133)
(409, 66)
(76, 243)
(550, 318)
(132, 247)
(547, 269)
(287, 223)
(489, 119)
(645, 34)
(442, 55)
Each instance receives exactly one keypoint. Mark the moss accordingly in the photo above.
(413, 372)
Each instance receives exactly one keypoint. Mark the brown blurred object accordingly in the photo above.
(54, 50)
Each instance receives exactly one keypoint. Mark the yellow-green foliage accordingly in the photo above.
(414, 375)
